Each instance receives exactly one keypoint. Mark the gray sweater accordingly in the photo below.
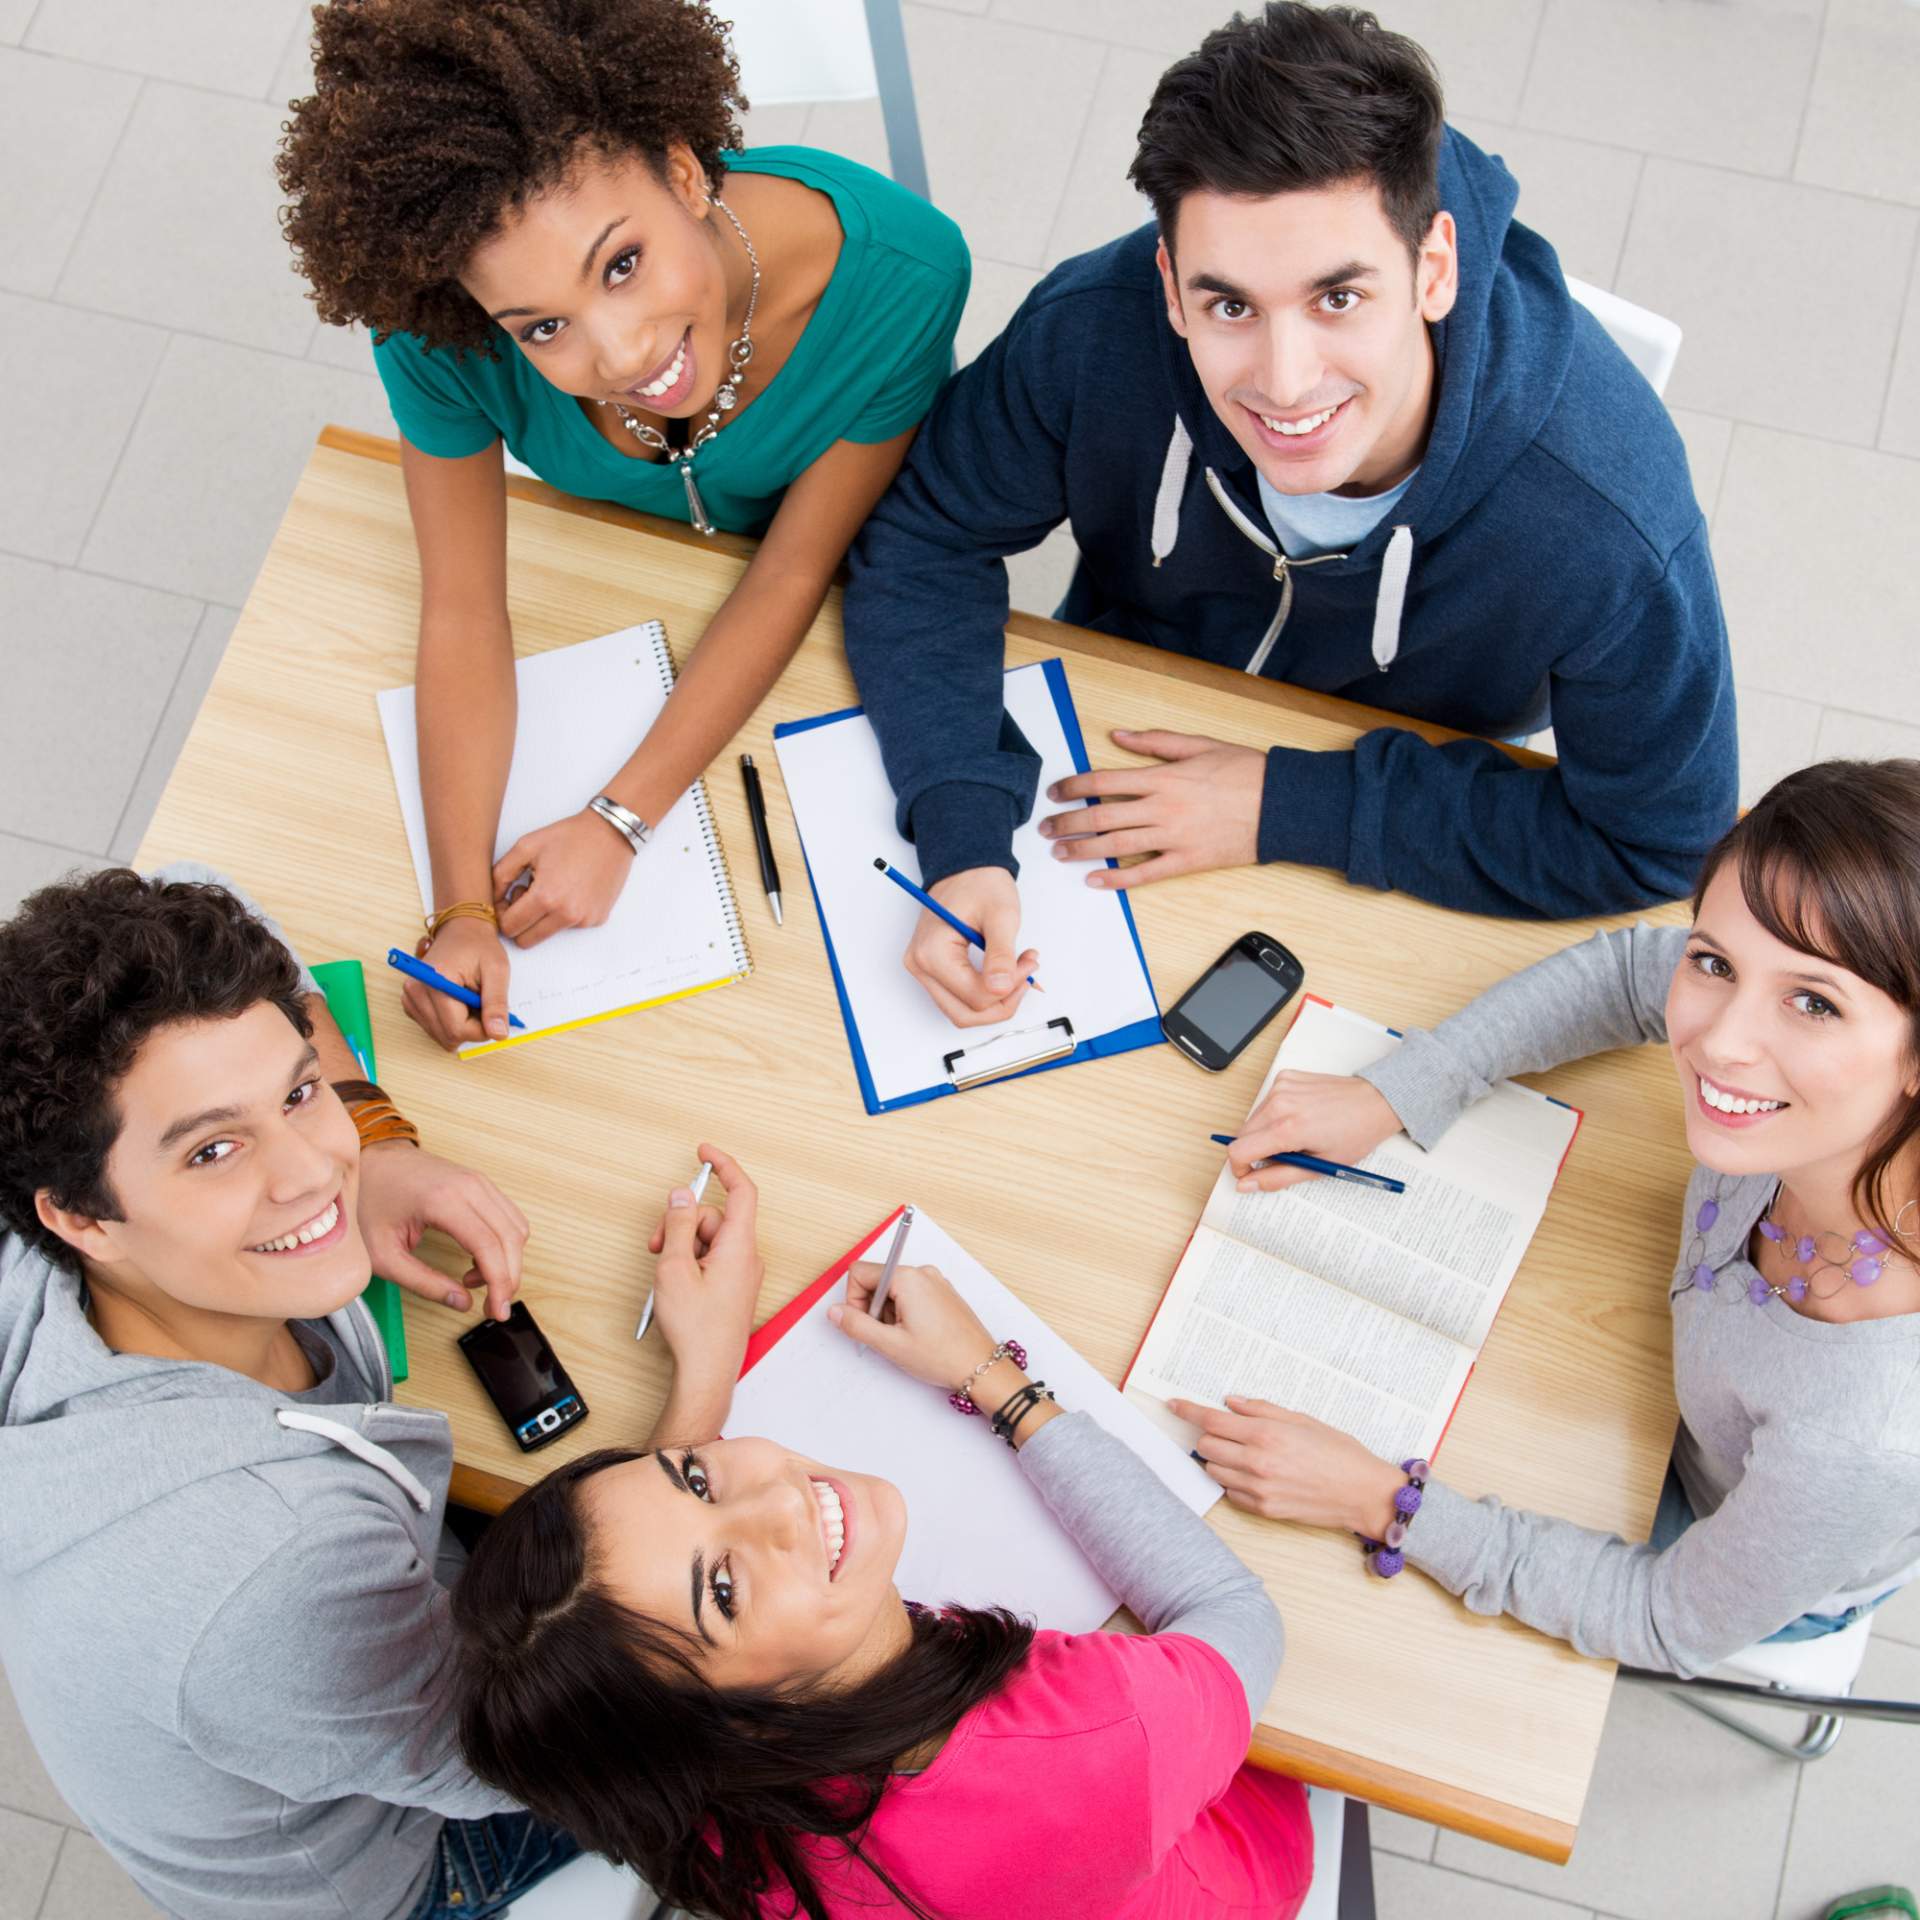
(1800, 1441)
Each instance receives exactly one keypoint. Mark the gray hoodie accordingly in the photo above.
(220, 1615)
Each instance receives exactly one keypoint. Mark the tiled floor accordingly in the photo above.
(1751, 167)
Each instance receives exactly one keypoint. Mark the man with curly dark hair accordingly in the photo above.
(522, 200)
(223, 1582)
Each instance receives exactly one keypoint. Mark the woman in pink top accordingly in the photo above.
(697, 1662)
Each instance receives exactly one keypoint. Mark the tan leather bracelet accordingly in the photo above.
(378, 1121)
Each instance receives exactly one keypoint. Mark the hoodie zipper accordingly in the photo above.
(1283, 569)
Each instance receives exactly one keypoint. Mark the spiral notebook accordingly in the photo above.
(676, 928)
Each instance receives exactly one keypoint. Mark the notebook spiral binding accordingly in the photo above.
(716, 850)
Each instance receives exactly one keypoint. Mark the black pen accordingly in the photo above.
(757, 813)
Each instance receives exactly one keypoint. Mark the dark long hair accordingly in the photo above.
(600, 1720)
(1829, 863)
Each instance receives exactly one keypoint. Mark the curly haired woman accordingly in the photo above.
(523, 201)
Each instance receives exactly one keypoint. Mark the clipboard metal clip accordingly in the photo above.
(1009, 1053)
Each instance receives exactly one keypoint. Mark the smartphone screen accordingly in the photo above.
(1231, 1001)
(522, 1377)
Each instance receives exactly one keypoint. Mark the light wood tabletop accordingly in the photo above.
(1078, 1188)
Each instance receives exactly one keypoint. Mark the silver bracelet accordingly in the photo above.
(623, 820)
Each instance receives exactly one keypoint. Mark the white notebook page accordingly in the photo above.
(582, 711)
(977, 1532)
(843, 805)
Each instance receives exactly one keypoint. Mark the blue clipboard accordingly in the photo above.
(1099, 1046)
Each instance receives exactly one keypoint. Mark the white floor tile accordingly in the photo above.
(25, 865)
(1804, 359)
(1863, 116)
(1707, 438)
(959, 6)
(1854, 1824)
(1411, 1890)
(349, 348)
(80, 712)
(223, 437)
(184, 231)
(28, 1849)
(1395, 1833)
(1778, 736)
(856, 128)
(80, 380)
(1813, 544)
(1037, 580)
(293, 76)
(89, 1885)
(1100, 203)
(780, 125)
(1169, 27)
(1683, 1821)
(996, 292)
(14, 15)
(1866, 736)
(1574, 192)
(1000, 114)
(1899, 1618)
(231, 45)
(24, 1785)
(1900, 423)
(1721, 81)
(202, 662)
(58, 126)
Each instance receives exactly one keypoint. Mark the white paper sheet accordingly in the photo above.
(582, 711)
(977, 1532)
(843, 805)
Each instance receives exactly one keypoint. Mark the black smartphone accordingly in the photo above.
(523, 1379)
(1213, 1021)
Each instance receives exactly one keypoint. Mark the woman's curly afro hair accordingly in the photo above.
(430, 120)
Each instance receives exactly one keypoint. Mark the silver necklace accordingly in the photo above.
(725, 398)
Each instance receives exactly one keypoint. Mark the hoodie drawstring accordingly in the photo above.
(1395, 565)
(360, 1447)
(1173, 483)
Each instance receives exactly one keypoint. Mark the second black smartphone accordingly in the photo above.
(522, 1378)
(1216, 1018)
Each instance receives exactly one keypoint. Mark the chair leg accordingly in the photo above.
(1817, 1739)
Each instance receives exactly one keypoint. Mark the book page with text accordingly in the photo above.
(1238, 1321)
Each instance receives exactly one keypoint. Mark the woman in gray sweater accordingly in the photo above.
(1791, 1008)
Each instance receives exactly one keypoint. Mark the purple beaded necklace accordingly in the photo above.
(1858, 1258)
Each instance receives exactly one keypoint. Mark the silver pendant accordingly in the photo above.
(696, 507)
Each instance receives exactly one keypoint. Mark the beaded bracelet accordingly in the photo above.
(1016, 1407)
(1383, 1557)
(961, 1399)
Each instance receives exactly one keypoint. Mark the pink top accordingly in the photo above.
(1105, 1780)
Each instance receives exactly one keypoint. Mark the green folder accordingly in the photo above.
(345, 985)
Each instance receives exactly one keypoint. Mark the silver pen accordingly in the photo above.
(893, 1260)
(699, 1185)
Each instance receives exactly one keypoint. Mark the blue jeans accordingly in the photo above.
(1675, 1515)
(482, 1864)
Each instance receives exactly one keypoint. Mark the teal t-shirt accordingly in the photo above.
(866, 367)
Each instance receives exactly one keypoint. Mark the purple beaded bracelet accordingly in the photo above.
(1383, 1557)
(961, 1398)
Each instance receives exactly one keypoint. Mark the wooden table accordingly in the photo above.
(1078, 1189)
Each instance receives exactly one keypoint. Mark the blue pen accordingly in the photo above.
(1333, 1169)
(429, 977)
(972, 935)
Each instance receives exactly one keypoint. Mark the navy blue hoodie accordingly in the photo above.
(1548, 561)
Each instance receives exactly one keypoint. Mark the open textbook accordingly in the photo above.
(1363, 1308)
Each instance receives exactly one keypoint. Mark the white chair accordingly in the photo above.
(805, 50)
(1649, 340)
(1812, 1677)
(589, 1888)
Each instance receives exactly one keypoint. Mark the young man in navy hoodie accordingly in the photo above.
(1333, 419)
